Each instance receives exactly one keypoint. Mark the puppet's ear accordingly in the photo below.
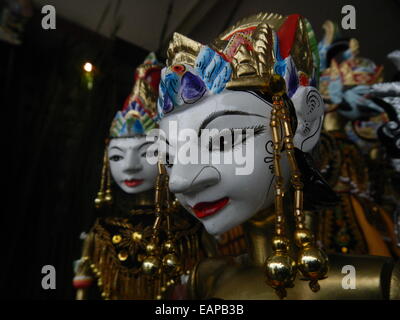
(310, 115)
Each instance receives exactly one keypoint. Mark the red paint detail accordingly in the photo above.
(205, 209)
(245, 30)
(82, 283)
(223, 56)
(126, 103)
(133, 182)
(303, 80)
(153, 77)
(286, 34)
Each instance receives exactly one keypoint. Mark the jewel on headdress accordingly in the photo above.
(192, 88)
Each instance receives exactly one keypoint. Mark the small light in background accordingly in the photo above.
(88, 75)
(88, 67)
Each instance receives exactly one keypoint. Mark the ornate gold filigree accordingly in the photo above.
(249, 47)
(274, 20)
(182, 50)
(254, 67)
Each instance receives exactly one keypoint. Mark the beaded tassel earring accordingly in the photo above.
(162, 262)
(108, 199)
(280, 268)
(100, 198)
(104, 196)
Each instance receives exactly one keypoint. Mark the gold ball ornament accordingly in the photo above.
(313, 265)
(151, 248)
(171, 264)
(303, 238)
(98, 202)
(169, 246)
(151, 265)
(280, 244)
(108, 198)
(277, 85)
(280, 270)
(137, 236)
(116, 239)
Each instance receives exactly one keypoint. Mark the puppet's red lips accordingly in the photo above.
(205, 209)
(133, 182)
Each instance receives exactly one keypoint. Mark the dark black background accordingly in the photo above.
(53, 140)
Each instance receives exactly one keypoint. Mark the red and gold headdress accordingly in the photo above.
(138, 114)
(245, 57)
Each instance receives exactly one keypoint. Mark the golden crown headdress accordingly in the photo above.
(253, 46)
(139, 111)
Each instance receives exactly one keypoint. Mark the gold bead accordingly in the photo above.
(108, 197)
(171, 264)
(98, 202)
(169, 246)
(313, 263)
(280, 270)
(277, 86)
(116, 239)
(150, 265)
(136, 236)
(163, 289)
(303, 238)
(280, 243)
(158, 297)
(122, 256)
(150, 248)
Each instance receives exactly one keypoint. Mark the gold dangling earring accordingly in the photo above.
(164, 265)
(100, 198)
(280, 267)
(108, 199)
(311, 261)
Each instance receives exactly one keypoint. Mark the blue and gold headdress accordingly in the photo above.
(138, 114)
(245, 57)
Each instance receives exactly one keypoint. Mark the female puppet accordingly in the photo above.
(116, 245)
(255, 88)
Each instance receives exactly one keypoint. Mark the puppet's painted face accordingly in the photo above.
(129, 167)
(214, 193)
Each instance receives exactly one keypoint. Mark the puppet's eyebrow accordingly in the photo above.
(118, 148)
(144, 144)
(215, 115)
